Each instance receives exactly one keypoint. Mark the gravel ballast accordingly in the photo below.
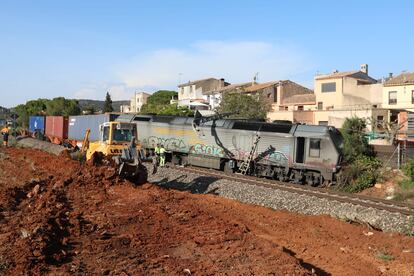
(280, 200)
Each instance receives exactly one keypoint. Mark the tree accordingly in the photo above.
(361, 168)
(108, 104)
(57, 107)
(33, 107)
(355, 141)
(89, 109)
(391, 128)
(244, 106)
(162, 97)
(62, 107)
(159, 104)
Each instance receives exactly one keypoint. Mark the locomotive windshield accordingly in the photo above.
(337, 139)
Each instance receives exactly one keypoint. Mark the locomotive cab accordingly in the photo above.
(317, 154)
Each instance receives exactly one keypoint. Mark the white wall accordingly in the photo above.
(404, 93)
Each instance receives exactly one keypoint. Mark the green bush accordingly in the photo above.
(361, 174)
(406, 191)
(408, 169)
(355, 141)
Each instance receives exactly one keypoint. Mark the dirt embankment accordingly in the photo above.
(59, 216)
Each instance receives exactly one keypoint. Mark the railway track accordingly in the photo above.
(361, 200)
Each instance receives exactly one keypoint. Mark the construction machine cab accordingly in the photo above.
(113, 138)
(117, 140)
(117, 132)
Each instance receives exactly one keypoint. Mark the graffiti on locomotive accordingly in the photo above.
(207, 150)
(169, 143)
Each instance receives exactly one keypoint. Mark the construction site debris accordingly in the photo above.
(79, 221)
(29, 142)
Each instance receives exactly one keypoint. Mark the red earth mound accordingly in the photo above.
(59, 216)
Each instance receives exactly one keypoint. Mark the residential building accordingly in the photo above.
(299, 107)
(286, 98)
(398, 97)
(213, 97)
(125, 108)
(345, 94)
(191, 93)
(138, 100)
(398, 92)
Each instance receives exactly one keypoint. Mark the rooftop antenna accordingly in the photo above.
(179, 78)
(256, 77)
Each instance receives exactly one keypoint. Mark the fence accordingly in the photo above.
(394, 155)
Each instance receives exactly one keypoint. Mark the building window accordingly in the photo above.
(320, 105)
(392, 97)
(275, 95)
(314, 147)
(300, 107)
(323, 123)
(412, 96)
(328, 87)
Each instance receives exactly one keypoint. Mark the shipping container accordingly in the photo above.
(79, 124)
(37, 124)
(56, 127)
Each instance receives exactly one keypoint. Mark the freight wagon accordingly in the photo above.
(79, 124)
(68, 131)
(288, 152)
(56, 129)
(37, 125)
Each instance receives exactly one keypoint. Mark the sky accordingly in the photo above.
(83, 48)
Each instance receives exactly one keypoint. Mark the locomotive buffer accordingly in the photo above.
(245, 165)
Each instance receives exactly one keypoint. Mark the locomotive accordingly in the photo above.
(305, 154)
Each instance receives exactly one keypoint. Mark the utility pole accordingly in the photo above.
(179, 78)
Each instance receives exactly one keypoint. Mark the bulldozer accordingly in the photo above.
(117, 142)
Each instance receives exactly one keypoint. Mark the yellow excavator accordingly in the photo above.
(117, 141)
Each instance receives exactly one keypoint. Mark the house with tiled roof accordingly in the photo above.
(398, 97)
(345, 94)
(191, 93)
(287, 98)
(398, 92)
(214, 96)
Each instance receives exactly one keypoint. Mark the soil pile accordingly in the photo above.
(58, 216)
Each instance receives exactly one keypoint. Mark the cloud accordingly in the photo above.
(235, 61)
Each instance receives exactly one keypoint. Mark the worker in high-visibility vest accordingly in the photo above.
(156, 159)
(5, 133)
(157, 153)
(162, 156)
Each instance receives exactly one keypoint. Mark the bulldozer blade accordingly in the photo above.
(136, 172)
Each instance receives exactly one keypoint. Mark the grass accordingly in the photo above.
(406, 190)
(406, 184)
(4, 264)
(385, 256)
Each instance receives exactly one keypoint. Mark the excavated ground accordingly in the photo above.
(59, 216)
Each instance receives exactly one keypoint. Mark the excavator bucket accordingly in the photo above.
(130, 165)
